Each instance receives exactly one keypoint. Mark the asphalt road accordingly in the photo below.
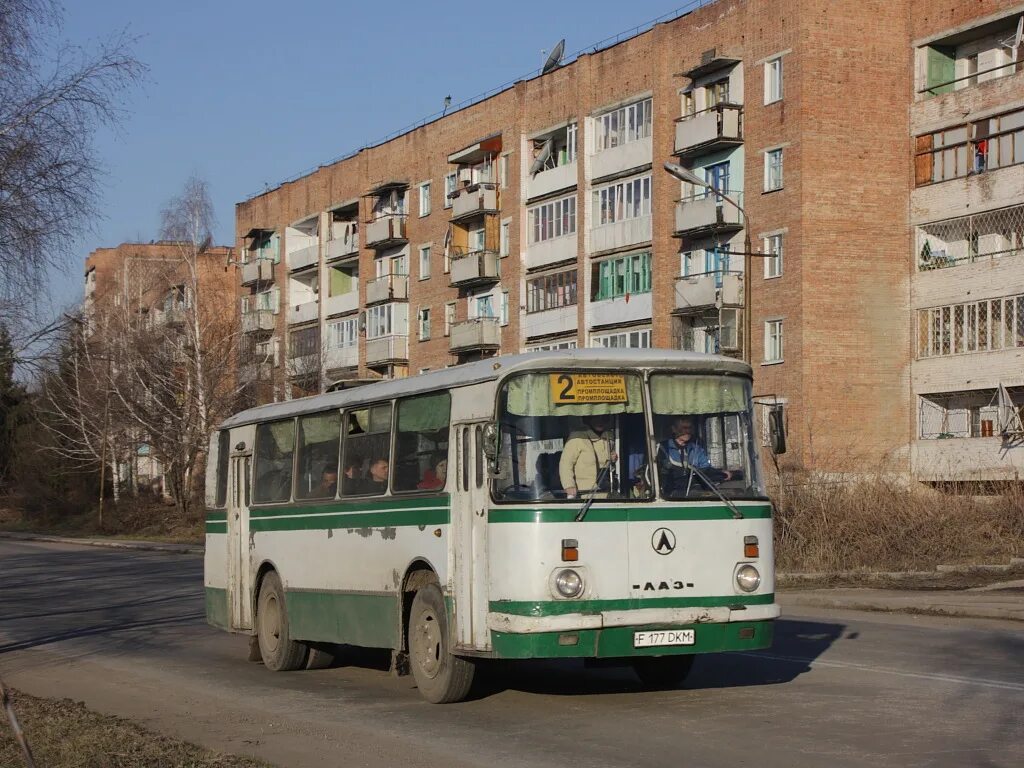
(124, 632)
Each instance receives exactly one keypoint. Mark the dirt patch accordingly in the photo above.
(64, 734)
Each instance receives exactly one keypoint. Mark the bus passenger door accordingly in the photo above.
(469, 537)
(239, 572)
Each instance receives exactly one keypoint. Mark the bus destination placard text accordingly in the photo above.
(587, 388)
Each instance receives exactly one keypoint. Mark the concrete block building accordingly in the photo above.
(872, 150)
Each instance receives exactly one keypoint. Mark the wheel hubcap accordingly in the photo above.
(271, 624)
(427, 636)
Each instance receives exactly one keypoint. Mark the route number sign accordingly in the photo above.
(567, 388)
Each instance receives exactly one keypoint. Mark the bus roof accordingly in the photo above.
(488, 370)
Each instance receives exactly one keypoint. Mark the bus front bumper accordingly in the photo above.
(610, 634)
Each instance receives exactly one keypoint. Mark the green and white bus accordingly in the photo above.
(438, 516)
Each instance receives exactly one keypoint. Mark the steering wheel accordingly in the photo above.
(517, 491)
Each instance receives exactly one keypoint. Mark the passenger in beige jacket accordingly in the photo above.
(584, 454)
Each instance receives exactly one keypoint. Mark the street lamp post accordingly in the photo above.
(689, 176)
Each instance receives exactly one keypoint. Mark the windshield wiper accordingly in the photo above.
(592, 493)
(736, 514)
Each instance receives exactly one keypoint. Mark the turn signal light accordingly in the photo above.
(570, 551)
(750, 548)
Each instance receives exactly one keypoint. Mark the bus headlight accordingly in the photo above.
(747, 578)
(568, 583)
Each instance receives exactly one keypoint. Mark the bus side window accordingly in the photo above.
(464, 459)
(366, 451)
(223, 454)
(275, 446)
(479, 456)
(421, 443)
(319, 435)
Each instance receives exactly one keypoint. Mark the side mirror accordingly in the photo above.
(776, 431)
(491, 442)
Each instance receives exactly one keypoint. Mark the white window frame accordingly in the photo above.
(505, 238)
(450, 185)
(773, 342)
(771, 183)
(551, 219)
(608, 200)
(449, 317)
(343, 333)
(424, 197)
(425, 252)
(383, 320)
(503, 309)
(774, 243)
(553, 345)
(503, 166)
(642, 335)
(773, 74)
(423, 323)
(624, 125)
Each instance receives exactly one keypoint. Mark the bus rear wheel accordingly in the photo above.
(659, 673)
(441, 677)
(280, 653)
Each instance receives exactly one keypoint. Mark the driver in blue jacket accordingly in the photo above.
(680, 452)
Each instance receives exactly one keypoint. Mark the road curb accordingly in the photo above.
(174, 549)
(882, 605)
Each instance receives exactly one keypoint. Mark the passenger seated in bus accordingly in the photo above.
(584, 455)
(351, 483)
(377, 482)
(434, 479)
(328, 484)
(680, 452)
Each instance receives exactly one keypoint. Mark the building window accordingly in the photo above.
(551, 291)
(552, 219)
(504, 308)
(450, 180)
(990, 235)
(424, 262)
(449, 318)
(638, 339)
(552, 346)
(969, 414)
(984, 145)
(773, 80)
(387, 320)
(424, 323)
(629, 199)
(773, 170)
(503, 171)
(304, 342)
(622, 276)
(343, 333)
(425, 198)
(624, 125)
(773, 263)
(976, 326)
(504, 238)
(773, 341)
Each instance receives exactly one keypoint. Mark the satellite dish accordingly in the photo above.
(555, 58)
(542, 157)
(1013, 43)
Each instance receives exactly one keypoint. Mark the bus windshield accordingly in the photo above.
(567, 436)
(703, 428)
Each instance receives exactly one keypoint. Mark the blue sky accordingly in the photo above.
(247, 93)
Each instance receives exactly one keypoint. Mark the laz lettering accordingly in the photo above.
(662, 586)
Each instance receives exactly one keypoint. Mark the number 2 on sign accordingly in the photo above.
(566, 394)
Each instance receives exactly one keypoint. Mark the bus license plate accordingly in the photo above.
(664, 637)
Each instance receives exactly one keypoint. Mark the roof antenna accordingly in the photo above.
(447, 103)
(554, 59)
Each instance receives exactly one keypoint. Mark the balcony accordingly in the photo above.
(303, 257)
(552, 180)
(711, 289)
(708, 131)
(625, 157)
(342, 246)
(257, 271)
(345, 302)
(551, 321)
(258, 320)
(387, 288)
(176, 315)
(474, 268)
(705, 214)
(620, 234)
(248, 372)
(388, 229)
(387, 349)
(342, 357)
(474, 200)
(476, 334)
(303, 313)
(551, 251)
(621, 309)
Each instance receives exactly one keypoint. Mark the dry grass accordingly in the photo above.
(882, 523)
(64, 734)
(140, 518)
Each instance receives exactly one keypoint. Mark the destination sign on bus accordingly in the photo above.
(569, 388)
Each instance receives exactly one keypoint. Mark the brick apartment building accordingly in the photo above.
(148, 285)
(877, 152)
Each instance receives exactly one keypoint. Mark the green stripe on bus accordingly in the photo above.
(617, 642)
(567, 514)
(560, 607)
(217, 527)
(372, 621)
(215, 516)
(357, 505)
(324, 520)
(217, 607)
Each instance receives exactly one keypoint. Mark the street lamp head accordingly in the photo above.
(684, 175)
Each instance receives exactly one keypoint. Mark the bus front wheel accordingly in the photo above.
(441, 677)
(662, 672)
(280, 653)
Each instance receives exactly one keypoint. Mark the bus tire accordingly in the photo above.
(441, 677)
(280, 653)
(659, 673)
